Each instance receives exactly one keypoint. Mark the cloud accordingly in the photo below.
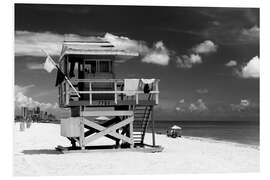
(216, 23)
(198, 106)
(186, 61)
(182, 101)
(250, 35)
(23, 89)
(205, 47)
(125, 43)
(243, 105)
(231, 63)
(30, 44)
(158, 54)
(34, 66)
(202, 91)
(244, 102)
(251, 69)
(21, 100)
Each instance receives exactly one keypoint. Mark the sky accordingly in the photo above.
(207, 59)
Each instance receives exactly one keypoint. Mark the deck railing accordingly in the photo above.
(65, 90)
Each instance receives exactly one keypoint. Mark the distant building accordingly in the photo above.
(38, 110)
(34, 114)
(24, 112)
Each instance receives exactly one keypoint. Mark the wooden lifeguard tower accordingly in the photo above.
(127, 104)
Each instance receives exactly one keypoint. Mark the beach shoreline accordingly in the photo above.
(34, 155)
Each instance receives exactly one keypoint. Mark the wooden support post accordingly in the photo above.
(153, 126)
(137, 98)
(131, 134)
(82, 139)
(67, 93)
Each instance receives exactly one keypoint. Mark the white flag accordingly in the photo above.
(48, 65)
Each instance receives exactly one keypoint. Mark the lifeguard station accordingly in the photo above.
(100, 104)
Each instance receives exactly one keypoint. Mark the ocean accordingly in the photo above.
(243, 132)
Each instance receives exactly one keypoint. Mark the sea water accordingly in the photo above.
(243, 132)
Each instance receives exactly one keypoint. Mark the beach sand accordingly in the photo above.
(34, 155)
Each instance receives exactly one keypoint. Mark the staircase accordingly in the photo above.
(141, 118)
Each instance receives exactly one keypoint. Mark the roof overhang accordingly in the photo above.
(99, 52)
(102, 48)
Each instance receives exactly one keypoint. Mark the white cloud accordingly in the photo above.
(21, 100)
(34, 66)
(188, 61)
(251, 34)
(124, 43)
(182, 101)
(205, 47)
(159, 54)
(202, 91)
(192, 107)
(244, 104)
(198, 106)
(231, 63)
(251, 69)
(30, 44)
(23, 89)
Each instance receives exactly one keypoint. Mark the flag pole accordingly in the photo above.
(58, 68)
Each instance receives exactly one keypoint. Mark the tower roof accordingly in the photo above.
(93, 48)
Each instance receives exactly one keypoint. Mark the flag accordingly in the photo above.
(60, 77)
(48, 65)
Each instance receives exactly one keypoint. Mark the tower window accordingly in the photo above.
(105, 66)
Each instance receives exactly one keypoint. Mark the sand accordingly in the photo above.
(34, 155)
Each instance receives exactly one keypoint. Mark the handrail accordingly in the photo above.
(116, 92)
(112, 92)
(103, 80)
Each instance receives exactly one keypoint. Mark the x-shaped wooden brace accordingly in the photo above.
(109, 130)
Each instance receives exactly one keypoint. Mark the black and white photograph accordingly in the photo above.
(135, 89)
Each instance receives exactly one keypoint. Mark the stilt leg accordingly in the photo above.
(82, 143)
(117, 142)
(153, 127)
(131, 134)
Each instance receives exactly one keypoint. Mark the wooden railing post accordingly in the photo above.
(157, 94)
(90, 94)
(115, 94)
(153, 126)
